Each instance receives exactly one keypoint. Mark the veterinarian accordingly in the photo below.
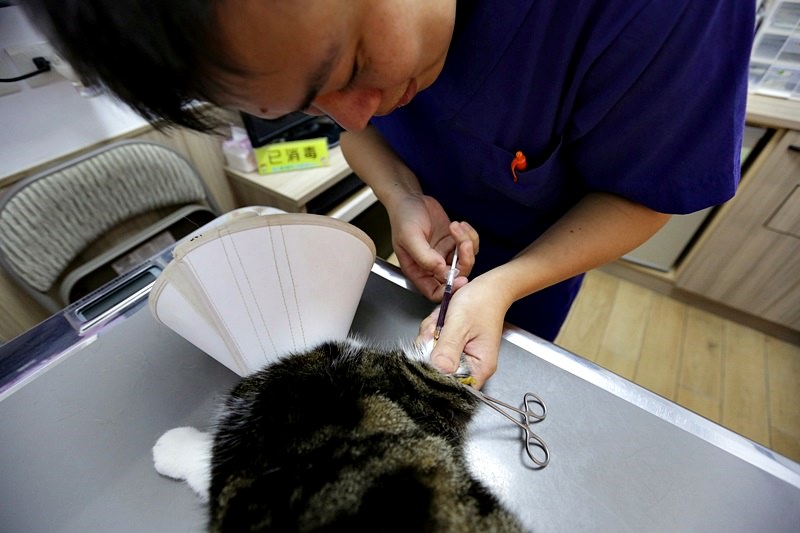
(551, 136)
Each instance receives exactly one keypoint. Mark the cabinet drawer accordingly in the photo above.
(787, 218)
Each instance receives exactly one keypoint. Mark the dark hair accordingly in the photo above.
(154, 55)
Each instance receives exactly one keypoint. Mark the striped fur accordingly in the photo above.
(348, 437)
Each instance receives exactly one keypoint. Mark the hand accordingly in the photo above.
(424, 240)
(473, 326)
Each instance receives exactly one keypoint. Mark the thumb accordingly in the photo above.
(446, 355)
(425, 256)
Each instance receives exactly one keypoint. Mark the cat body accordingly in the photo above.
(347, 437)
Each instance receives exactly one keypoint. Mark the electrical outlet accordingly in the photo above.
(22, 57)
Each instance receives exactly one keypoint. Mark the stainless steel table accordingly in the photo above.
(82, 402)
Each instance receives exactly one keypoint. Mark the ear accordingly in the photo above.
(185, 454)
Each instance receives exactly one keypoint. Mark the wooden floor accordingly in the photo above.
(736, 376)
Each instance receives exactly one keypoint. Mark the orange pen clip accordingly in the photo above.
(518, 163)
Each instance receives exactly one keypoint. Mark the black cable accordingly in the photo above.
(42, 65)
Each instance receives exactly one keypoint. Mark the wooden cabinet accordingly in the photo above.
(749, 258)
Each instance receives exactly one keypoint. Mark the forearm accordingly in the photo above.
(599, 229)
(378, 166)
(423, 235)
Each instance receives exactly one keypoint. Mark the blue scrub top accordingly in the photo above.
(641, 98)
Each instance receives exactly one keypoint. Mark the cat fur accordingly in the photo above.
(346, 436)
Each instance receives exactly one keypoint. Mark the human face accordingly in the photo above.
(348, 59)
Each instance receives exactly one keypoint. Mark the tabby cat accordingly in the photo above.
(345, 437)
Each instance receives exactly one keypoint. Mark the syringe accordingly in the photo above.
(448, 293)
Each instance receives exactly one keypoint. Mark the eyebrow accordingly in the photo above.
(319, 77)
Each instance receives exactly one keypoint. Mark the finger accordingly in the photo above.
(465, 232)
(459, 282)
(467, 241)
(421, 252)
(429, 287)
(446, 354)
(423, 280)
(481, 370)
(428, 325)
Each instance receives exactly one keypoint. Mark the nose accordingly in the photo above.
(351, 109)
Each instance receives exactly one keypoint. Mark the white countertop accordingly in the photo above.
(49, 123)
(45, 124)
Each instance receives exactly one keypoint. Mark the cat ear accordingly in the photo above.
(185, 454)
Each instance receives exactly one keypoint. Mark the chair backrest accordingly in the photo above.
(46, 220)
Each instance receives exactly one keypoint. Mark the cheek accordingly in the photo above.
(395, 54)
(390, 74)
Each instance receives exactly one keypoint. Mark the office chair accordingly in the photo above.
(51, 223)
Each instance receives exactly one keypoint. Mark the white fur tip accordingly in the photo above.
(419, 351)
(184, 454)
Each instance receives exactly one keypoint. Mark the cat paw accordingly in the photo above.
(185, 454)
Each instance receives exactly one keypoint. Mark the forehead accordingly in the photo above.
(278, 50)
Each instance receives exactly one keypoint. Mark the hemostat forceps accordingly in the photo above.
(529, 416)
